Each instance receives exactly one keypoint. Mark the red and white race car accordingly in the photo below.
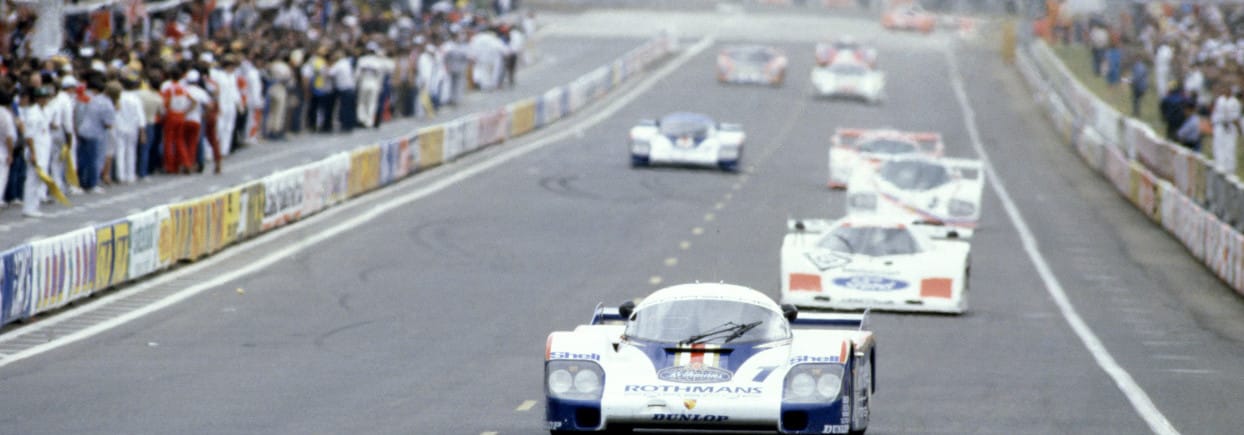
(851, 147)
(909, 17)
(751, 64)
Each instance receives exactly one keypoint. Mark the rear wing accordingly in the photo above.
(929, 142)
(808, 226)
(858, 322)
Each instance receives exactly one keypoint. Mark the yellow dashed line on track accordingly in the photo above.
(656, 279)
(671, 262)
(488, 433)
(525, 406)
(684, 245)
(697, 231)
(719, 206)
(708, 217)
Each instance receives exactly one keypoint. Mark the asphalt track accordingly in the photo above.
(430, 319)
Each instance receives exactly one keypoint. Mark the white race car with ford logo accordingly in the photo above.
(710, 357)
(851, 147)
(941, 192)
(866, 262)
(687, 139)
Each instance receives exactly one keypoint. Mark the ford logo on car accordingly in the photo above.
(694, 375)
(870, 283)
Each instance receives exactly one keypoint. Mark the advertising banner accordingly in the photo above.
(145, 241)
(364, 169)
(282, 197)
(16, 285)
(493, 125)
(431, 141)
(522, 117)
(455, 135)
(63, 269)
(112, 254)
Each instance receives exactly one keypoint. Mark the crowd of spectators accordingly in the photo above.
(1189, 53)
(175, 91)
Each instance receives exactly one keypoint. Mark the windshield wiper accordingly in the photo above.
(736, 330)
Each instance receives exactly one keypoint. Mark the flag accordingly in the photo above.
(53, 189)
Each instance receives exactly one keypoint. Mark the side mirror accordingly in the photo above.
(626, 309)
(790, 311)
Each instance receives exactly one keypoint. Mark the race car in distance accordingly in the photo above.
(847, 78)
(828, 52)
(943, 193)
(684, 138)
(751, 64)
(850, 147)
(710, 357)
(908, 17)
(869, 262)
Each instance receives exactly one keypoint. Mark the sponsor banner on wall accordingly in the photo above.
(1118, 169)
(522, 117)
(1238, 282)
(551, 105)
(390, 162)
(282, 197)
(431, 146)
(63, 269)
(1169, 206)
(455, 135)
(364, 169)
(493, 126)
(409, 149)
(1142, 191)
(252, 203)
(145, 241)
(112, 254)
(16, 284)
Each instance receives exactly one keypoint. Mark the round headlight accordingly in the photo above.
(586, 381)
(802, 385)
(829, 385)
(560, 381)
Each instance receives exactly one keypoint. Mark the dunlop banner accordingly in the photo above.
(16, 285)
(112, 254)
(62, 269)
(431, 141)
(364, 169)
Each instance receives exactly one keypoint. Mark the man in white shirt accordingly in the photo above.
(342, 74)
(291, 17)
(60, 111)
(1162, 67)
(1226, 118)
(128, 130)
(372, 69)
(37, 131)
(229, 102)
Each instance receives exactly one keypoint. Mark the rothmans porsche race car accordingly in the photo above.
(683, 138)
(943, 193)
(710, 357)
(847, 78)
(872, 262)
(751, 64)
(828, 52)
(851, 147)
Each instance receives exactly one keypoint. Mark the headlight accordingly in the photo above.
(958, 207)
(813, 383)
(866, 201)
(574, 379)
(639, 147)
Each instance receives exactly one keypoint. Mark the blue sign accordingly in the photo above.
(870, 283)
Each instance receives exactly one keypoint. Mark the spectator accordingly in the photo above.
(1190, 132)
(1099, 40)
(178, 137)
(342, 73)
(1114, 64)
(281, 78)
(60, 110)
(457, 60)
(372, 68)
(94, 120)
(229, 101)
(129, 130)
(1140, 83)
(36, 129)
(1172, 108)
(320, 89)
(8, 137)
(113, 91)
(1162, 67)
(514, 49)
(153, 108)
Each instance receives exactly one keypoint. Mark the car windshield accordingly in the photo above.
(846, 45)
(752, 55)
(848, 69)
(681, 321)
(915, 175)
(888, 146)
(874, 241)
(685, 125)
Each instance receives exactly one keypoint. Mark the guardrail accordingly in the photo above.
(1175, 187)
(47, 274)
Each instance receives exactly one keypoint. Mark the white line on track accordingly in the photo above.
(525, 406)
(361, 217)
(1140, 401)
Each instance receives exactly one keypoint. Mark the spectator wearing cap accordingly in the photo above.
(94, 119)
(8, 136)
(64, 142)
(342, 73)
(129, 131)
(36, 129)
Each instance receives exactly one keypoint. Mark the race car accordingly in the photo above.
(943, 193)
(710, 357)
(870, 262)
(847, 78)
(908, 17)
(751, 64)
(684, 138)
(829, 52)
(850, 147)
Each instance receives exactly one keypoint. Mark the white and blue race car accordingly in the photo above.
(870, 262)
(940, 192)
(689, 139)
(710, 357)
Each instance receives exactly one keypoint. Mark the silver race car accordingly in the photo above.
(689, 139)
(710, 357)
(751, 64)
